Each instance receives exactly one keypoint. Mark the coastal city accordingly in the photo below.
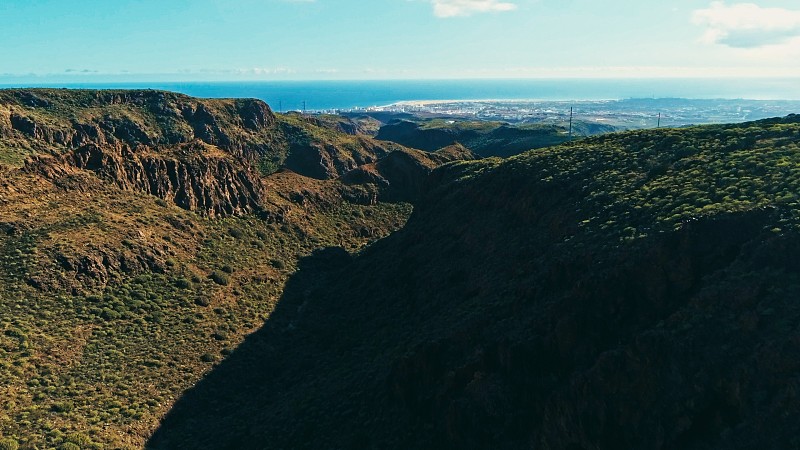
(628, 113)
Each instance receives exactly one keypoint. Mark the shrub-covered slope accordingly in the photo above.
(482, 137)
(633, 291)
(144, 234)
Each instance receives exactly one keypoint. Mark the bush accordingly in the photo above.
(8, 444)
(79, 439)
(182, 283)
(62, 407)
(235, 232)
(227, 269)
(219, 278)
(109, 314)
(278, 264)
(69, 446)
(208, 357)
(220, 335)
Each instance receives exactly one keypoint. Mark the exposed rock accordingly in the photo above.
(137, 117)
(211, 185)
(401, 175)
(326, 160)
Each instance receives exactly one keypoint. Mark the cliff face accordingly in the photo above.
(205, 155)
(69, 118)
(210, 185)
(399, 176)
(318, 148)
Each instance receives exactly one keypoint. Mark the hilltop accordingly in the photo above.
(485, 138)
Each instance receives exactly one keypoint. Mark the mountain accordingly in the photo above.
(629, 291)
(144, 234)
(193, 273)
(482, 137)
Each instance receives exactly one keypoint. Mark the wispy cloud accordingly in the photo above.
(747, 25)
(455, 8)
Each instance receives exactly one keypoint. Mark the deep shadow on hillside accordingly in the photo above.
(494, 326)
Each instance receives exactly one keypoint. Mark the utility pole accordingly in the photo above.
(570, 123)
(658, 124)
(304, 106)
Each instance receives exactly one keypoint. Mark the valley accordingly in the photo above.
(181, 272)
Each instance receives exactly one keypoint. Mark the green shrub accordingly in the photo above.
(62, 407)
(109, 314)
(219, 278)
(8, 444)
(182, 283)
(79, 439)
(220, 335)
(227, 269)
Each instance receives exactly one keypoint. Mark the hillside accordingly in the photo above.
(482, 137)
(144, 234)
(630, 291)
(54, 121)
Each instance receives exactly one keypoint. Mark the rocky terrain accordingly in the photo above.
(143, 234)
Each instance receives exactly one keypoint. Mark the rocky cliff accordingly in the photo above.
(50, 121)
(55, 119)
(196, 180)
(400, 175)
(204, 155)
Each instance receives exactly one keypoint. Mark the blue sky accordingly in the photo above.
(138, 40)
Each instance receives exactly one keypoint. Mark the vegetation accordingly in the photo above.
(482, 137)
(563, 287)
(608, 293)
(112, 302)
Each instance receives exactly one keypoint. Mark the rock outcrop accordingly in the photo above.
(400, 175)
(152, 118)
(211, 185)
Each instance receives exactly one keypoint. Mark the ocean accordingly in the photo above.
(330, 95)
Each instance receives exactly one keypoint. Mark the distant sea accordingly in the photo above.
(328, 95)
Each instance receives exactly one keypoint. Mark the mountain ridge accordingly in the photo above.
(516, 311)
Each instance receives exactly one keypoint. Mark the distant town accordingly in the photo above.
(629, 113)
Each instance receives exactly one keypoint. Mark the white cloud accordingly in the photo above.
(453, 8)
(747, 25)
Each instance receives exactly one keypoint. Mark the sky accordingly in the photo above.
(188, 40)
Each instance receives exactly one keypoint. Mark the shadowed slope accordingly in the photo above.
(506, 315)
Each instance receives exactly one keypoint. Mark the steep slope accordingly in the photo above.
(633, 291)
(52, 121)
(400, 176)
(143, 236)
(484, 138)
